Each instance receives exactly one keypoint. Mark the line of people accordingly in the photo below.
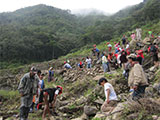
(32, 91)
(32, 83)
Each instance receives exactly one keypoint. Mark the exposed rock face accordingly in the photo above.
(117, 111)
(100, 115)
(90, 110)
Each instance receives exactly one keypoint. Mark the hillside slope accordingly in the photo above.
(41, 33)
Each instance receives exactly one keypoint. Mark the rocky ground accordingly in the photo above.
(82, 96)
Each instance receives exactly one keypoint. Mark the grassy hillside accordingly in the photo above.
(40, 33)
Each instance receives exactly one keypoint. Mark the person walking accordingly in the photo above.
(137, 80)
(89, 62)
(123, 41)
(27, 88)
(50, 74)
(153, 49)
(105, 63)
(138, 34)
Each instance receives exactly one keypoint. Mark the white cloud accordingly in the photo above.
(109, 6)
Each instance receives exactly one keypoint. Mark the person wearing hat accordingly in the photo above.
(27, 88)
(109, 46)
(67, 65)
(48, 97)
(111, 97)
(137, 80)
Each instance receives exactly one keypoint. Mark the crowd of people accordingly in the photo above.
(34, 94)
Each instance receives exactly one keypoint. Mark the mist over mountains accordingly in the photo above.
(91, 11)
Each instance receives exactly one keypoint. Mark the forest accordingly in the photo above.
(41, 33)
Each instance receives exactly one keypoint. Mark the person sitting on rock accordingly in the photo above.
(137, 80)
(111, 97)
(67, 65)
(48, 97)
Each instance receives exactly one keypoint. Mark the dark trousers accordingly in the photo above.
(108, 66)
(139, 93)
(24, 111)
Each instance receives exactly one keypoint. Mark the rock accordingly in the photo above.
(117, 111)
(155, 117)
(156, 86)
(83, 117)
(1, 118)
(149, 91)
(52, 118)
(90, 110)
(152, 69)
(77, 119)
(99, 101)
(65, 79)
(60, 72)
(81, 100)
(122, 97)
(112, 81)
(98, 77)
(132, 116)
(157, 41)
(146, 40)
(69, 109)
(61, 103)
(133, 43)
(100, 116)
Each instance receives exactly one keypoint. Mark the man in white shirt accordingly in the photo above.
(111, 97)
(88, 61)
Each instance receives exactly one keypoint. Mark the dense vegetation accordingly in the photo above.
(43, 32)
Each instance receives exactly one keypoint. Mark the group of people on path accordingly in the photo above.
(132, 65)
(32, 88)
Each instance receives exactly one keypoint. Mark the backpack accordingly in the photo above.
(153, 49)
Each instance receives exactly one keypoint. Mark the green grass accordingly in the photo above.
(98, 119)
(9, 94)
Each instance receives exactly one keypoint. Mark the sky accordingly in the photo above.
(108, 6)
